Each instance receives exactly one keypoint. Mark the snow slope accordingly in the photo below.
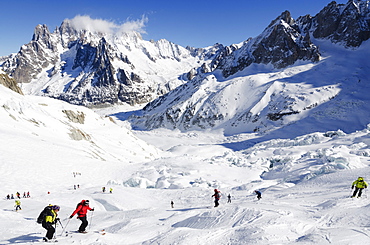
(305, 181)
(300, 99)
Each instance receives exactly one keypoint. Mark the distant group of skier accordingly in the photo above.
(11, 196)
(110, 189)
(217, 197)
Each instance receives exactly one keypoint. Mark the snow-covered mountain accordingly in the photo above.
(92, 66)
(249, 91)
(85, 66)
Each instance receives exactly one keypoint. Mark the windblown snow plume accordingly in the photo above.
(85, 22)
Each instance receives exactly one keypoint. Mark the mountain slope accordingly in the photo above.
(31, 127)
(243, 95)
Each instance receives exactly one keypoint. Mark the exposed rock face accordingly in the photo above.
(281, 44)
(76, 117)
(344, 23)
(10, 83)
(32, 57)
(78, 134)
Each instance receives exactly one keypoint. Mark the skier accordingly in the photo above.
(8, 197)
(229, 198)
(49, 220)
(24, 195)
(18, 195)
(12, 197)
(259, 194)
(110, 190)
(81, 210)
(172, 203)
(103, 189)
(28, 194)
(217, 196)
(359, 185)
(17, 205)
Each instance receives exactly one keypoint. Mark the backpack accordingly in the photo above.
(43, 213)
(79, 204)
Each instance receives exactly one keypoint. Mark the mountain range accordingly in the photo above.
(294, 71)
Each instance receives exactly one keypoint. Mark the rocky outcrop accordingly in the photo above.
(344, 23)
(281, 44)
(78, 134)
(76, 117)
(32, 57)
(10, 83)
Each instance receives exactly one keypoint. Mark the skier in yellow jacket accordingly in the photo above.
(17, 205)
(359, 185)
(48, 222)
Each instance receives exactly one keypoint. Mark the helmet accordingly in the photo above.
(215, 190)
(55, 207)
(87, 202)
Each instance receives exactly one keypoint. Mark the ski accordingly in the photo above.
(48, 241)
(85, 232)
(102, 232)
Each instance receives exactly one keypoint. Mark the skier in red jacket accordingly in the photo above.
(217, 196)
(81, 211)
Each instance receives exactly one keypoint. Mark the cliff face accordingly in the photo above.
(10, 83)
(348, 24)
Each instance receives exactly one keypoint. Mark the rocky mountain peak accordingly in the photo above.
(41, 33)
(282, 43)
(285, 16)
(344, 23)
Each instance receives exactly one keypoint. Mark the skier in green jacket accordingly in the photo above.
(359, 185)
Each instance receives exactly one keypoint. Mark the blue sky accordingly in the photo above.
(187, 23)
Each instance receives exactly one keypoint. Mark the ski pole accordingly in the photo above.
(60, 224)
(65, 227)
(91, 219)
(55, 232)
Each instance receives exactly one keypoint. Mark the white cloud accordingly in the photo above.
(84, 22)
